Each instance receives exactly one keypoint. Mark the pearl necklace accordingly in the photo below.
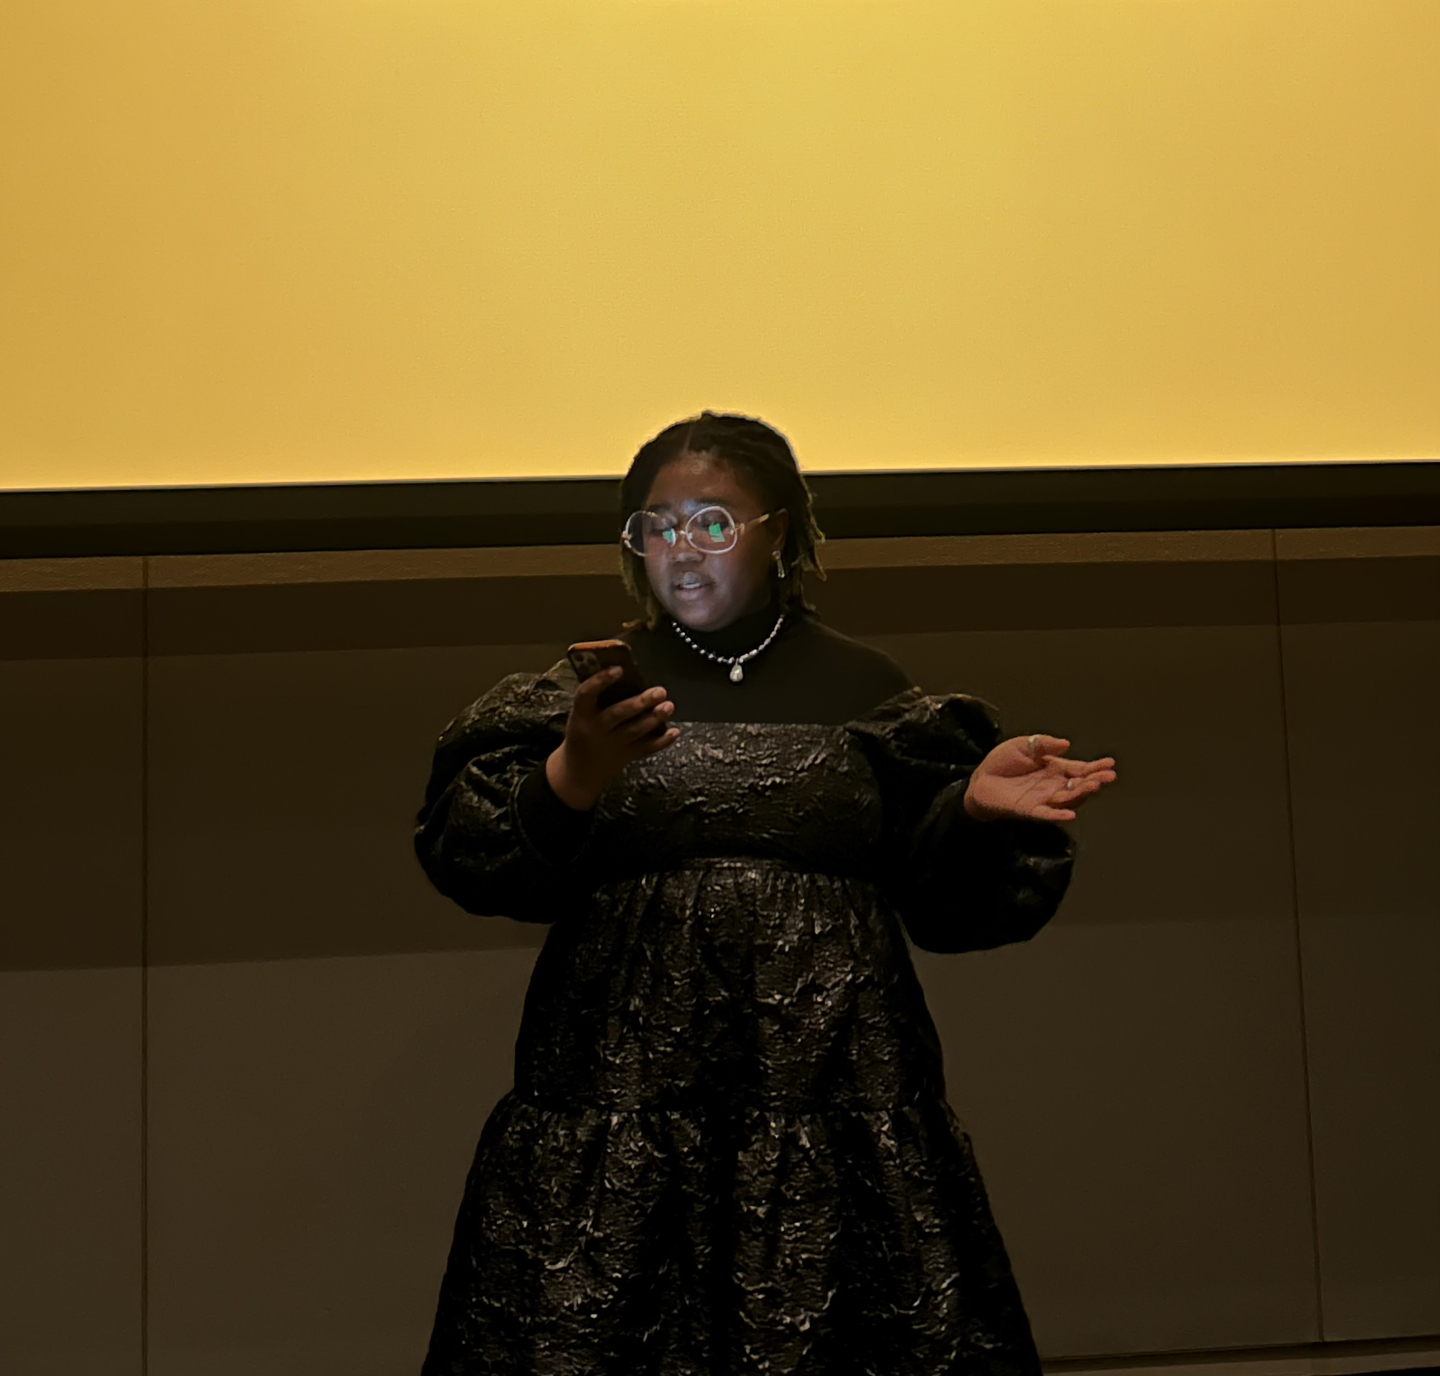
(736, 662)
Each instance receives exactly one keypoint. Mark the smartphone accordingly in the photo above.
(589, 657)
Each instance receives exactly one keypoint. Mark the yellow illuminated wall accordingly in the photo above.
(261, 240)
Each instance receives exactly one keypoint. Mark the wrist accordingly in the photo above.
(976, 812)
(573, 792)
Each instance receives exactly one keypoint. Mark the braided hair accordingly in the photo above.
(761, 454)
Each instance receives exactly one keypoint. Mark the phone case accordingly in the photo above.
(588, 657)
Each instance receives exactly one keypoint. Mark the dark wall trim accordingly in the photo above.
(539, 511)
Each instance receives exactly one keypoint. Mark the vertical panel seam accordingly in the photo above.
(144, 1297)
(1299, 941)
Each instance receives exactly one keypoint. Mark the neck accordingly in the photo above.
(735, 637)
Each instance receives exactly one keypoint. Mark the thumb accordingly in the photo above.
(1038, 745)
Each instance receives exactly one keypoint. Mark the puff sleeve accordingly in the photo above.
(491, 834)
(958, 884)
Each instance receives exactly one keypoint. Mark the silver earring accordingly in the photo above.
(779, 563)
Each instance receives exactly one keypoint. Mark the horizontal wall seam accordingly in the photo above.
(602, 561)
(85, 574)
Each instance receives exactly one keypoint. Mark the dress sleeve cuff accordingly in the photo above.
(553, 830)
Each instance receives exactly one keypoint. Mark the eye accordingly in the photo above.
(715, 527)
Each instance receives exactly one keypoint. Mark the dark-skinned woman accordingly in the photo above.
(728, 1151)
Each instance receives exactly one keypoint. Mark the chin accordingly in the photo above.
(698, 619)
(700, 615)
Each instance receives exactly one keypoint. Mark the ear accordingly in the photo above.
(779, 525)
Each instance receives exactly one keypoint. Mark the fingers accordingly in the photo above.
(593, 686)
(1057, 809)
(620, 716)
(659, 743)
(646, 723)
(630, 707)
(1070, 772)
(1073, 792)
(1042, 748)
(1102, 771)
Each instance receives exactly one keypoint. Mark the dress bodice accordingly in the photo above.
(805, 795)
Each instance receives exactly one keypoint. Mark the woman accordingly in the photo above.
(728, 1149)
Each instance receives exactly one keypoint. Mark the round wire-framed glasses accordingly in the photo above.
(711, 530)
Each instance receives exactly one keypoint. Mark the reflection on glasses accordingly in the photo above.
(711, 530)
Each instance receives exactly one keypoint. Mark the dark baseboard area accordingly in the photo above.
(1411, 1356)
(563, 511)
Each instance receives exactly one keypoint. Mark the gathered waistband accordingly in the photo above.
(702, 863)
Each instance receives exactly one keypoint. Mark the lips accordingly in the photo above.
(690, 583)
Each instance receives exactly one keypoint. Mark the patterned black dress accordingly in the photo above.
(728, 1150)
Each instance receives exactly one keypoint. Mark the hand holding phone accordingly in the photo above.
(590, 657)
(614, 719)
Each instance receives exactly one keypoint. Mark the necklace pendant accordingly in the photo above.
(737, 672)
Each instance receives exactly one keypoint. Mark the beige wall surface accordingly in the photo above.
(1233, 989)
(304, 240)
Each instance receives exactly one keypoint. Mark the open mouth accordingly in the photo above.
(690, 583)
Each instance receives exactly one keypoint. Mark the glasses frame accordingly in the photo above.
(740, 528)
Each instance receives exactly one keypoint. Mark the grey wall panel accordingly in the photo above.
(1134, 1076)
(284, 788)
(70, 1190)
(70, 986)
(1362, 701)
(315, 1094)
(70, 811)
(1138, 1115)
(311, 1126)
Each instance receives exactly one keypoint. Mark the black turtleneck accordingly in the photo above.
(808, 673)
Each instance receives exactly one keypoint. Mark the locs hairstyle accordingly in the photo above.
(761, 455)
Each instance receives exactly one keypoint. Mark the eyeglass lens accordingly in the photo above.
(710, 530)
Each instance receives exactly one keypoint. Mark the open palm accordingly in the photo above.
(1028, 776)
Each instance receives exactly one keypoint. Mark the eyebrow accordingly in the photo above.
(690, 503)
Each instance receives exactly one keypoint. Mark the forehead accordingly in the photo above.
(695, 480)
